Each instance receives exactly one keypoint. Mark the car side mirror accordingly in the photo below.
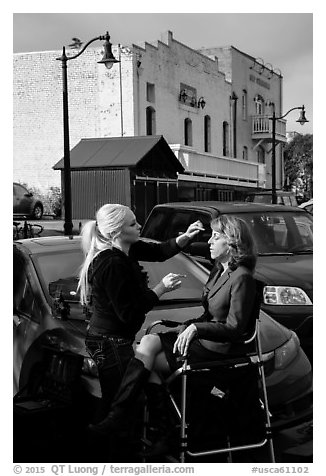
(28, 194)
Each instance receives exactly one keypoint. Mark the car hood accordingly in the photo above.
(294, 270)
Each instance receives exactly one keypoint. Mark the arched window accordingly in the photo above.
(225, 138)
(150, 121)
(188, 131)
(207, 134)
(244, 105)
(245, 153)
(260, 155)
(260, 104)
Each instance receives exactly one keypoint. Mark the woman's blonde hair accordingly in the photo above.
(239, 238)
(97, 235)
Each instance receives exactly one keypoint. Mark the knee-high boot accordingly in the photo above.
(160, 419)
(123, 404)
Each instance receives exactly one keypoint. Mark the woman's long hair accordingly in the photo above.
(239, 238)
(97, 235)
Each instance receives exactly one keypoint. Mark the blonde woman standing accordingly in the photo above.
(119, 291)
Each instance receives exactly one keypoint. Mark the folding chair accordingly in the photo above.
(222, 378)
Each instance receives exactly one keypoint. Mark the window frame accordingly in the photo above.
(150, 121)
(188, 132)
(207, 134)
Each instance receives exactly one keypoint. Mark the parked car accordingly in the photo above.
(282, 197)
(308, 206)
(25, 204)
(47, 314)
(283, 237)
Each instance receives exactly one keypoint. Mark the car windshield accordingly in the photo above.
(63, 265)
(192, 282)
(281, 232)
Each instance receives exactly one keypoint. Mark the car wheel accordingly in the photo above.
(37, 211)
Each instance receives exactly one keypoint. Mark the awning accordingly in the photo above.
(150, 152)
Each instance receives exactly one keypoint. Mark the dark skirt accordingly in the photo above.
(196, 352)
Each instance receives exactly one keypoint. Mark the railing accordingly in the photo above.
(262, 127)
(218, 169)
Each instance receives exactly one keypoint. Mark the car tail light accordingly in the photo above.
(285, 354)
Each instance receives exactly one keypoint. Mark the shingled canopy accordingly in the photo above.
(135, 171)
(143, 152)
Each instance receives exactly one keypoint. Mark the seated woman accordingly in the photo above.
(228, 301)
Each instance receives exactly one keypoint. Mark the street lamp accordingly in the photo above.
(108, 60)
(302, 120)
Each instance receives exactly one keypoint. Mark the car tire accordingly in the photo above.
(37, 211)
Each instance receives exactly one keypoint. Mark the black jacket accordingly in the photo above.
(120, 293)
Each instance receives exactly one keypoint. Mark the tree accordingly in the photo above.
(298, 164)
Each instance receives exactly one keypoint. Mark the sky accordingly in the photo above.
(285, 40)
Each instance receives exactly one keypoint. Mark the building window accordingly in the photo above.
(150, 92)
(207, 133)
(244, 105)
(225, 138)
(260, 155)
(150, 121)
(188, 131)
(245, 153)
(260, 104)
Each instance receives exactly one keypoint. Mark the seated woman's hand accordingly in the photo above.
(182, 343)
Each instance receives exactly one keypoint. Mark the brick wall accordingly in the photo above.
(94, 109)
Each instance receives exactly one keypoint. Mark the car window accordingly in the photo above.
(279, 200)
(155, 228)
(205, 218)
(178, 223)
(19, 191)
(286, 200)
(293, 200)
(277, 232)
(54, 266)
(24, 299)
(262, 199)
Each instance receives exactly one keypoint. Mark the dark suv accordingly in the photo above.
(283, 237)
(25, 204)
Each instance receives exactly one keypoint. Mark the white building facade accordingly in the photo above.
(212, 107)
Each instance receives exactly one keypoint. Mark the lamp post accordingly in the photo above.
(108, 60)
(302, 120)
